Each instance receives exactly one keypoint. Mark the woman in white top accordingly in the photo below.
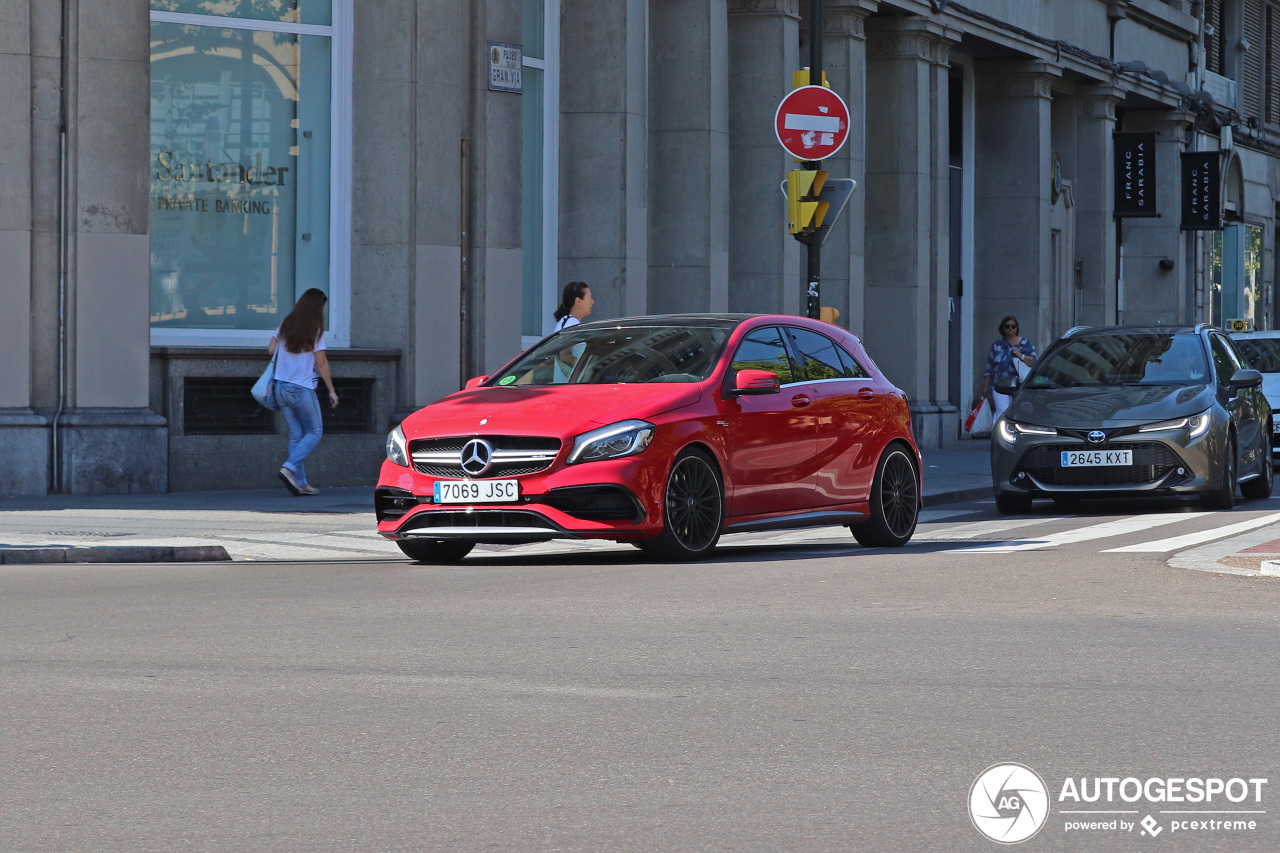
(301, 355)
(576, 303)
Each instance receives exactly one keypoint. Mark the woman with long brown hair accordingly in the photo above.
(301, 356)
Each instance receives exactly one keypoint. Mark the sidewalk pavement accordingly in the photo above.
(337, 524)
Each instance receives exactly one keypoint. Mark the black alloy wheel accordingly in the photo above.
(1260, 487)
(1224, 497)
(894, 504)
(693, 510)
(435, 551)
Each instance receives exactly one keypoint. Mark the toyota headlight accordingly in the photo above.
(1197, 424)
(625, 438)
(397, 447)
(1010, 431)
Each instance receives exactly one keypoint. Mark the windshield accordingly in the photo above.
(1262, 354)
(619, 356)
(1122, 359)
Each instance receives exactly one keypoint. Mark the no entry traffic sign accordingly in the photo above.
(812, 123)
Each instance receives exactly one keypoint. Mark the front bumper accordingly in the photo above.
(1163, 464)
(610, 499)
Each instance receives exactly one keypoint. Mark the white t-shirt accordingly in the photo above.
(564, 370)
(297, 367)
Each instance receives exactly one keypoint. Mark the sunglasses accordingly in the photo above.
(1009, 326)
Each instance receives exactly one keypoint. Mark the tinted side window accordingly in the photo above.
(851, 366)
(1262, 354)
(1224, 362)
(818, 355)
(763, 349)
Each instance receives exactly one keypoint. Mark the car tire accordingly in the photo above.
(1260, 487)
(435, 551)
(1224, 497)
(895, 502)
(1012, 504)
(692, 510)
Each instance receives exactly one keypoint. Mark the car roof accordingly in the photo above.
(720, 321)
(1273, 333)
(1144, 329)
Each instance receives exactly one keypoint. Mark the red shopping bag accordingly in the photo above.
(979, 420)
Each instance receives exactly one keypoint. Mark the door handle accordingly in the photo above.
(866, 393)
(800, 401)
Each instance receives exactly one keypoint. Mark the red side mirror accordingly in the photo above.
(475, 380)
(752, 382)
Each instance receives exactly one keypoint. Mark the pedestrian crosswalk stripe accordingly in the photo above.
(1118, 527)
(1177, 543)
(978, 529)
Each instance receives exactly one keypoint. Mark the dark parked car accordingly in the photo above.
(1134, 410)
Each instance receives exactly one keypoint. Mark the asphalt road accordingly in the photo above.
(775, 698)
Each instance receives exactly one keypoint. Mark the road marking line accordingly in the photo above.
(977, 529)
(1177, 543)
(1118, 527)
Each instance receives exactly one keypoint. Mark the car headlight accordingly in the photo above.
(1011, 430)
(625, 438)
(397, 447)
(1197, 424)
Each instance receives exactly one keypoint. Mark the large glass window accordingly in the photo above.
(242, 156)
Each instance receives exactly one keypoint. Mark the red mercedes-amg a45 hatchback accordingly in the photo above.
(661, 431)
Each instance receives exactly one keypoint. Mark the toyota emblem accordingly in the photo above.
(477, 456)
(1095, 436)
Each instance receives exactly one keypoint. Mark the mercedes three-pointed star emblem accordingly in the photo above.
(477, 456)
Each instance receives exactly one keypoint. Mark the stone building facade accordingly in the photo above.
(174, 173)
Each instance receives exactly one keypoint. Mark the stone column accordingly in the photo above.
(688, 156)
(604, 152)
(844, 56)
(27, 130)
(111, 443)
(1013, 268)
(1093, 184)
(907, 214)
(1152, 293)
(763, 256)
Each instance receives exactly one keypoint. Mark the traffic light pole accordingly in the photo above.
(813, 289)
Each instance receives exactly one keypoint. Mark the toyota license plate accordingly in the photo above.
(1087, 458)
(477, 491)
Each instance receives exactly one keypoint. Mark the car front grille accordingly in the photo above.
(1152, 462)
(486, 518)
(513, 455)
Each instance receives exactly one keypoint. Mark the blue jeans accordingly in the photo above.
(301, 409)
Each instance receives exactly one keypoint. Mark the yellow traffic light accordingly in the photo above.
(801, 78)
(805, 212)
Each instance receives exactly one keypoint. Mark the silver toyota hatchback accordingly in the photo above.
(1134, 410)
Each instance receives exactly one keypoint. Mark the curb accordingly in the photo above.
(11, 556)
